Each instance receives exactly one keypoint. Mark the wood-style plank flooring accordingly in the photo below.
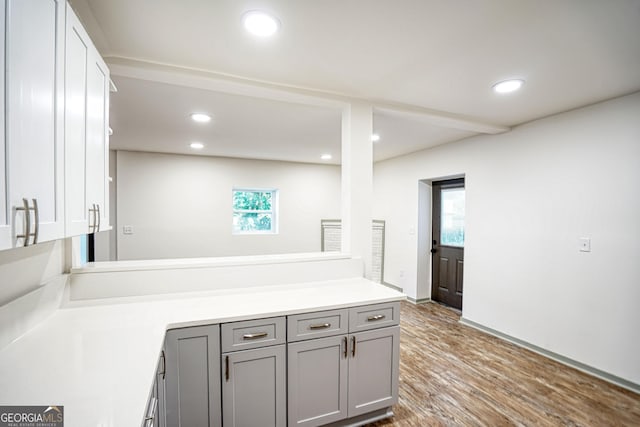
(454, 375)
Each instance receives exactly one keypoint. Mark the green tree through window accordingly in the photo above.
(254, 211)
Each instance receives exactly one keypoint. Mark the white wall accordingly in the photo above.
(180, 206)
(531, 194)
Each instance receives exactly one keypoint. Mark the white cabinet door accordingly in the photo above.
(373, 370)
(254, 388)
(34, 110)
(76, 70)
(86, 138)
(98, 140)
(317, 378)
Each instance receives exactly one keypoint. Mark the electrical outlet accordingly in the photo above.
(127, 229)
(585, 244)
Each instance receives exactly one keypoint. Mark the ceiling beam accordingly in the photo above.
(230, 84)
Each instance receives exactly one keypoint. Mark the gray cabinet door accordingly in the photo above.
(317, 381)
(254, 388)
(193, 377)
(373, 370)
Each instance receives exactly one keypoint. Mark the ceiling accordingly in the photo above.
(427, 66)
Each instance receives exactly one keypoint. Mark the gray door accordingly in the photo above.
(373, 370)
(317, 383)
(448, 242)
(254, 388)
(193, 377)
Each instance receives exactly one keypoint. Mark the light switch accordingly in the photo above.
(127, 229)
(585, 244)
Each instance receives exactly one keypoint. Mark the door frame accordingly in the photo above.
(442, 185)
(424, 234)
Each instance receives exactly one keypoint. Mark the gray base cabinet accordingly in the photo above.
(336, 367)
(374, 370)
(347, 375)
(254, 371)
(192, 380)
(317, 381)
(254, 388)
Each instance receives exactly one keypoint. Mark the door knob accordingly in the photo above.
(434, 250)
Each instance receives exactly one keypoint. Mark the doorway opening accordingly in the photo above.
(447, 245)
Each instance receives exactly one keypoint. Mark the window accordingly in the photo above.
(254, 211)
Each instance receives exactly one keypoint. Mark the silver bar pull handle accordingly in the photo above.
(95, 221)
(36, 221)
(98, 216)
(254, 336)
(376, 317)
(27, 222)
(92, 218)
(353, 346)
(320, 326)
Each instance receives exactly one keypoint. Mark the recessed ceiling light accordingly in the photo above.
(326, 157)
(375, 137)
(260, 23)
(508, 86)
(201, 117)
(197, 145)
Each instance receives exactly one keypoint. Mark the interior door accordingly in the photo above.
(447, 251)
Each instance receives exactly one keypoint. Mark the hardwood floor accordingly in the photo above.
(453, 375)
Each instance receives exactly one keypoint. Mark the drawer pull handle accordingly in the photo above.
(376, 317)
(320, 326)
(254, 336)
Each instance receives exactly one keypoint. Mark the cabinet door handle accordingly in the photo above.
(98, 217)
(345, 341)
(376, 317)
(92, 218)
(320, 326)
(164, 364)
(226, 368)
(36, 220)
(27, 222)
(254, 336)
(353, 346)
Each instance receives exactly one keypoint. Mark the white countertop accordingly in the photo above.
(98, 358)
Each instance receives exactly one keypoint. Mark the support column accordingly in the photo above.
(357, 182)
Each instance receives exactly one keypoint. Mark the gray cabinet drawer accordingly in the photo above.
(374, 316)
(317, 325)
(253, 334)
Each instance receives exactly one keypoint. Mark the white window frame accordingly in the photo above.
(273, 211)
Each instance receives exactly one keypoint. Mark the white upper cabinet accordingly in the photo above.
(98, 141)
(34, 145)
(86, 133)
(5, 225)
(76, 70)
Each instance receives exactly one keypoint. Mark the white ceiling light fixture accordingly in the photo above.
(508, 86)
(326, 157)
(260, 23)
(201, 117)
(197, 145)
(375, 137)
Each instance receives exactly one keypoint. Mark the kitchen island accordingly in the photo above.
(98, 357)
